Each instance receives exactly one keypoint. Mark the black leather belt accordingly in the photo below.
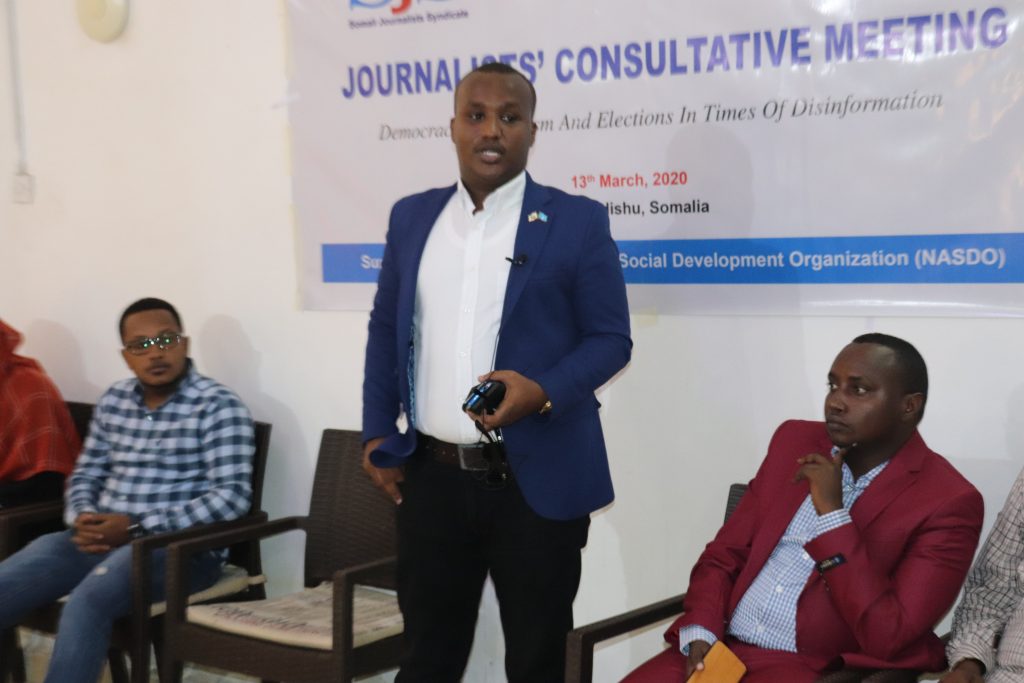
(469, 457)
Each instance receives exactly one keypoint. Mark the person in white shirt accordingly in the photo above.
(495, 278)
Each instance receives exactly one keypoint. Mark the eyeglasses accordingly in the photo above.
(162, 342)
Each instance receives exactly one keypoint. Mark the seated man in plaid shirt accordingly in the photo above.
(166, 450)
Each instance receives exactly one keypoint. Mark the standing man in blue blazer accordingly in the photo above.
(494, 278)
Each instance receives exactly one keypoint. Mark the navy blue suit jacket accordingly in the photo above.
(565, 324)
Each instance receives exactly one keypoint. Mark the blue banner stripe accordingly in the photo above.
(934, 259)
(351, 262)
(965, 258)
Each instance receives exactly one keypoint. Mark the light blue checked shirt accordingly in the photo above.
(187, 462)
(766, 614)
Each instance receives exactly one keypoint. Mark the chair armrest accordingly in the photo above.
(179, 552)
(34, 512)
(344, 582)
(14, 519)
(579, 646)
(142, 550)
(252, 531)
(348, 578)
(150, 543)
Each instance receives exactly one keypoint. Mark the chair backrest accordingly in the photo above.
(259, 463)
(350, 521)
(247, 555)
(81, 416)
(736, 492)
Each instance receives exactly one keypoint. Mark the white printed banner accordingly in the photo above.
(797, 156)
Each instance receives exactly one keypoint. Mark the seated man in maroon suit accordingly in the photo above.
(850, 544)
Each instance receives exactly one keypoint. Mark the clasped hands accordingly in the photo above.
(98, 532)
(523, 397)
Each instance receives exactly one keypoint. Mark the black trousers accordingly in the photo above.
(453, 530)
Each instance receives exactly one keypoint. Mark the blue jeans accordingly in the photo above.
(100, 591)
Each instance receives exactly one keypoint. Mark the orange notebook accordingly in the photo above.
(720, 666)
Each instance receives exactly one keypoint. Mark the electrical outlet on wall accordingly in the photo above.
(24, 189)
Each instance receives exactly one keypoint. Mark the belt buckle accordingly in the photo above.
(465, 450)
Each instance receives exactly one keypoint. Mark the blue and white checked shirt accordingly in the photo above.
(188, 462)
(766, 614)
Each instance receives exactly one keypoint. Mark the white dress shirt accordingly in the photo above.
(460, 293)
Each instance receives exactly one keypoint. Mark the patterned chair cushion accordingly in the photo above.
(232, 580)
(304, 619)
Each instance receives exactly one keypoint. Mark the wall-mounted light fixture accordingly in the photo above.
(102, 20)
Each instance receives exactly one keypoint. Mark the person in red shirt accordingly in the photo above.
(38, 440)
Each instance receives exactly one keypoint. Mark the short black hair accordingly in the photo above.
(149, 304)
(506, 70)
(909, 360)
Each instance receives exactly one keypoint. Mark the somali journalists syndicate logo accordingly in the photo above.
(368, 14)
(397, 6)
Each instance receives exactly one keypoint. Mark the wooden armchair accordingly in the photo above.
(343, 625)
(136, 633)
(579, 655)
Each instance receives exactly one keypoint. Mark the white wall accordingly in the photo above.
(162, 168)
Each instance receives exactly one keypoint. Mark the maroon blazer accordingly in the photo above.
(914, 533)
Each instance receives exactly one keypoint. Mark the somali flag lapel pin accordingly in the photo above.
(537, 216)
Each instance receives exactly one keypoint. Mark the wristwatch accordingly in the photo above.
(136, 530)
